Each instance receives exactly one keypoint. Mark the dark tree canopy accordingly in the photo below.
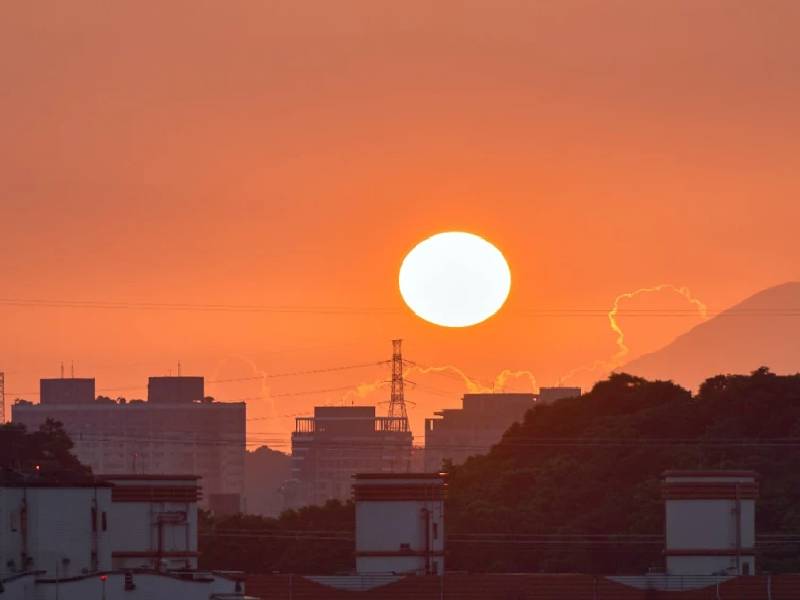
(587, 465)
(47, 451)
(295, 542)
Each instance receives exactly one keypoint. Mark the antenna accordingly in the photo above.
(179, 368)
(72, 369)
(397, 402)
(62, 369)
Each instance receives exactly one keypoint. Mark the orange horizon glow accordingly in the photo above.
(234, 187)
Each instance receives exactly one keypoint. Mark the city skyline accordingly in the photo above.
(291, 158)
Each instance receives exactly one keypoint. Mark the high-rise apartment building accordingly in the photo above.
(179, 433)
(339, 441)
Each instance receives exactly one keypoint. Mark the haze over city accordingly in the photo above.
(229, 190)
(289, 156)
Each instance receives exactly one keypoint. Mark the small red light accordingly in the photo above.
(103, 577)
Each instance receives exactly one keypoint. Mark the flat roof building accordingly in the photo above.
(710, 522)
(339, 441)
(152, 520)
(175, 390)
(399, 523)
(66, 391)
(132, 537)
(170, 435)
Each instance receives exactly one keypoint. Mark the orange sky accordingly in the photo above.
(290, 153)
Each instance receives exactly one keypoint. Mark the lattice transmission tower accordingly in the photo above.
(397, 402)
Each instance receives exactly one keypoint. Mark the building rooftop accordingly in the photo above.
(400, 476)
(484, 586)
(145, 477)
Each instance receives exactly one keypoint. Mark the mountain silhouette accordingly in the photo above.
(763, 330)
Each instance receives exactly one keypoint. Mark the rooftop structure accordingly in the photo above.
(710, 522)
(60, 528)
(339, 441)
(66, 391)
(132, 537)
(399, 523)
(175, 390)
(153, 521)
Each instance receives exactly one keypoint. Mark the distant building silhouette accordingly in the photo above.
(175, 390)
(339, 441)
(176, 431)
(455, 434)
(548, 395)
(66, 391)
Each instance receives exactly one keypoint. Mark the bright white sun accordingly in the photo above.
(455, 279)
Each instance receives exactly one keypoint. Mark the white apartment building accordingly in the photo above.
(399, 523)
(710, 522)
(134, 538)
(177, 430)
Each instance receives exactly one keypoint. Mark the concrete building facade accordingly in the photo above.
(60, 529)
(710, 522)
(339, 441)
(196, 436)
(153, 521)
(399, 523)
(134, 537)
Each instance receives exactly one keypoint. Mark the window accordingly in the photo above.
(103, 521)
(436, 531)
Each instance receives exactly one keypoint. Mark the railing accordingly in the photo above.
(391, 424)
(314, 425)
(305, 425)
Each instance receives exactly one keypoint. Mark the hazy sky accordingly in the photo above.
(290, 153)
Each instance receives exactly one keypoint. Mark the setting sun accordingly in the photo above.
(455, 279)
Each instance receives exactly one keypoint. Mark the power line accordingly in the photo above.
(186, 438)
(128, 305)
(241, 379)
(549, 540)
(378, 310)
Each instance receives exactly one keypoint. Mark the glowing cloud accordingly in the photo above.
(623, 349)
(473, 386)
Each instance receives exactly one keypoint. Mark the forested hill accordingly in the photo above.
(592, 465)
(582, 466)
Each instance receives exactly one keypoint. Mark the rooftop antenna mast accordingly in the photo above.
(397, 403)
